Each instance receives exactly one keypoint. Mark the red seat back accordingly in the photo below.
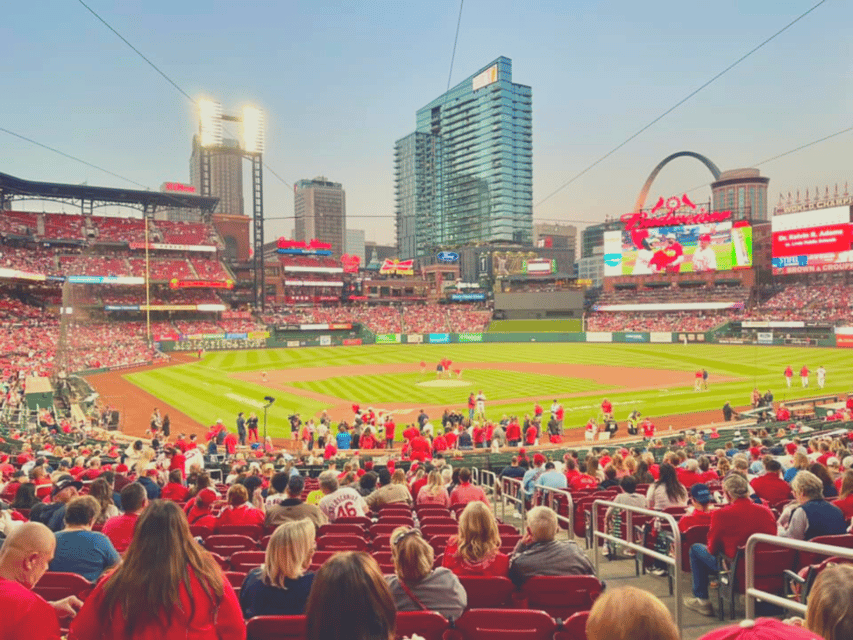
(341, 542)
(398, 521)
(235, 579)
(699, 533)
(55, 585)
(276, 628)
(807, 558)
(437, 520)
(574, 628)
(364, 521)
(253, 531)
(561, 596)
(227, 544)
(427, 624)
(319, 558)
(770, 563)
(503, 624)
(429, 530)
(487, 592)
(335, 528)
(199, 531)
(246, 560)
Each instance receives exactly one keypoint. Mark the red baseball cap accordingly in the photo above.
(791, 448)
(206, 496)
(539, 459)
(122, 468)
(761, 629)
(755, 452)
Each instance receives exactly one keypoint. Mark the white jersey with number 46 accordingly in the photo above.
(345, 502)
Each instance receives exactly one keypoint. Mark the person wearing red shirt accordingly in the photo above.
(439, 444)
(367, 440)
(648, 428)
(730, 528)
(560, 415)
(689, 475)
(674, 253)
(607, 408)
(477, 530)
(417, 485)
(25, 557)
(479, 436)
(513, 432)
(175, 489)
(330, 452)
(119, 529)
(571, 467)
(230, 444)
(389, 432)
(583, 481)
(782, 413)
(411, 432)
(845, 495)
(700, 499)
(466, 492)
(530, 435)
(789, 374)
(125, 607)
(239, 509)
(450, 438)
(770, 486)
(420, 449)
(490, 433)
(6, 469)
(177, 460)
(804, 377)
(537, 410)
(181, 444)
(199, 512)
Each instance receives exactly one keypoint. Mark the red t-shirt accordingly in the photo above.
(450, 438)
(513, 431)
(607, 407)
(697, 518)
(25, 613)
(804, 372)
(530, 436)
(175, 492)
(583, 481)
(244, 514)
(389, 430)
(119, 530)
(439, 444)
(479, 435)
(496, 565)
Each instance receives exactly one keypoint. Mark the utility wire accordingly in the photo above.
(69, 156)
(678, 104)
(455, 40)
(165, 77)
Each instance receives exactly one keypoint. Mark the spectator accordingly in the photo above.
(845, 496)
(730, 528)
(53, 514)
(770, 486)
(829, 613)
(552, 478)
(190, 596)
(294, 508)
(434, 492)
(630, 497)
(339, 502)
(120, 528)
(394, 493)
(79, 549)
(24, 558)
(101, 491)
(813, 516)
(667, 491)
(280, 586)
(475, 550)
(538, 553)
(175, 489)
(416, 585)
(466, 492)
(239, 510)
(829, 490)
(700, 500)
(350, 600)
(200, 513)
(761, 628)
(628, 613)
(25, 496)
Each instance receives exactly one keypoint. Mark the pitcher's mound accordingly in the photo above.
(445, 383)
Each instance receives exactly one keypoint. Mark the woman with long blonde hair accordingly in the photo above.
(475, 551)
(434, 492)
(166, 587)
(280, 586)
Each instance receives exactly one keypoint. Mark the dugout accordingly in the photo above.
(39, 393)
(539, 305)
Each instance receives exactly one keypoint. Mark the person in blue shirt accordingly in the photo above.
(552, 478)
(344, 438)
(79, 549)
(280, 586)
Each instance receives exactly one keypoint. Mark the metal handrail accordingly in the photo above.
(752, 594)
(512, 489)
(670, 560)
(551, 493)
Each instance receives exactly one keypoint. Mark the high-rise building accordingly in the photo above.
(321, 213)
(355, 243)
(556, 236)
(226, 176)
(744, 193)
(466, 174)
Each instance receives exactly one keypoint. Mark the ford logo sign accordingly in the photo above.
(448, 256)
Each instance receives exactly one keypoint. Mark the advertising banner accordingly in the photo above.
(599, 336)
(660, 337)
(105, 280)
(123, 307)
(669, 306)
(293, 343)
(414, 338)
(160, 337)
(813, 241)
(339, 326)
(236, 336)
(470, 337)
(174, 283)
(236, 315)
(168, 307)
(774, 324)
(387, 338)
(844, 340)
(218, 345)
(399, 267)
(439, 338)
(765, 337)
(636, 337)
(173, 247)
(20, 275)
(325, 341)
(467, 297)
(352, 342)
(258, 335)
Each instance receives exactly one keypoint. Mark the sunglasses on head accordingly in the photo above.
(399, 537)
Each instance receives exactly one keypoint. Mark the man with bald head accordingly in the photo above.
(24, 557)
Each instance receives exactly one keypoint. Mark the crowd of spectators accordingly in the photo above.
(669, 321)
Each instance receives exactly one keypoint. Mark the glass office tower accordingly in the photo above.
(466, 174)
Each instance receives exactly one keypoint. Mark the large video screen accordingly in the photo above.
(813, 241)
(691, 248)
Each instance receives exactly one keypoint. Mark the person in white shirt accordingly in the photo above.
(339, 502)
(704, 258)
(821, 376)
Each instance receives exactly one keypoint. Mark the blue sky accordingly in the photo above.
(341, 81)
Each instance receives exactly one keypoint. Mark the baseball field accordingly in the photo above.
(656, 379)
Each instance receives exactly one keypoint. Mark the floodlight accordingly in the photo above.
(253, 130)
(269, 399)
(210, 118)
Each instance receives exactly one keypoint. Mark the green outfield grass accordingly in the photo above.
(204, 390)
(571, 325)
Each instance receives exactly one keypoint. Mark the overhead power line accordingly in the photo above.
(455, 40)
(678, 104)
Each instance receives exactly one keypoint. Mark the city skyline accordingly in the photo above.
(600, 73)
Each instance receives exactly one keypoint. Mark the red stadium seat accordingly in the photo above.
(397, 520)
(427, 624)
(253, 531)
(770, 564)
(560, 596)
(487, 592)
(574, 628)
(699, 533)
(430, 530)
(439, 543)
(320, 557)
(364, 521)
(381, 543)
(245, 561)
(432, 520)
(200, 531)
(341, 542)
(807, 558)
(503, 624)
(55, 585)
(380, 529)
(275, 628)
(235, 579)
(508, 542)
(507, 528)
(349, 529)
(385, 560)
(265, 542)
(225, 545)
(222, 562)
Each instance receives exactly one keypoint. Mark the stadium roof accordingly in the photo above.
(17, 187)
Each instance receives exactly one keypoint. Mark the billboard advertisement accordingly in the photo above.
(813, 241)
(687, 248)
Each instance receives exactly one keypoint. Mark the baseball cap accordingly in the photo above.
(206, 496)
(755, 452)
(538, 459)
(791, 448)
(761, 629)
(832, 462)
(63, 482)
(122, 468)
(701, 493)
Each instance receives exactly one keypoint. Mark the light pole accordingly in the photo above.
(269, 400)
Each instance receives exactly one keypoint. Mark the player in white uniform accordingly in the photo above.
(481, 406)
(704, 258)
(821, 376)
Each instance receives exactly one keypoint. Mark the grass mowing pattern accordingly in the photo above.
(204, 391)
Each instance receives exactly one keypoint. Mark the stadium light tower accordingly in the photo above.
(211, 141)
